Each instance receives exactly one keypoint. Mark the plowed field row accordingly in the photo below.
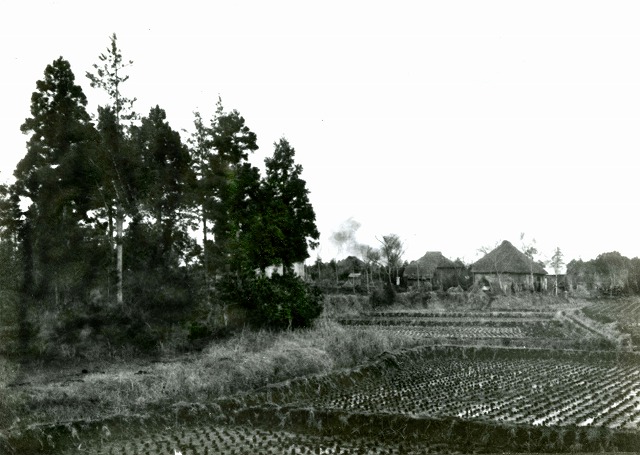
(490, 325)
(514, 314)
(457, 332)
(228, 440)
(531, 391)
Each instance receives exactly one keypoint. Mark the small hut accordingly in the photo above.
(433, 268)
(354, 279)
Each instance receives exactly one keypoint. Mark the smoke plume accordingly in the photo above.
(345, 237)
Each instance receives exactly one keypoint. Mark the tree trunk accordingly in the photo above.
(205, 258)
(366, 271)
(27, 288)
(119, 228)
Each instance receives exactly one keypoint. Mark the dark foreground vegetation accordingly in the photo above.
(433, 405)
(118, 237)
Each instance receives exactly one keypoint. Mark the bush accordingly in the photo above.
(163, 294)
(383, 297)
(419, 295)
(198, 331)
(282, 301)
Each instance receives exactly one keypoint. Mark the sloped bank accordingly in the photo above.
(393, 430)
(284, 406)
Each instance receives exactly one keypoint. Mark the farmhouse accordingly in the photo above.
(509, 268)
(433, 268)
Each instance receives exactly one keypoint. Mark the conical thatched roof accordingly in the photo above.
(351, 263)
(428, 264)
(507, 259)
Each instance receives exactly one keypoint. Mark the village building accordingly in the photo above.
(354, 279)
(509, 269)
(436, 269)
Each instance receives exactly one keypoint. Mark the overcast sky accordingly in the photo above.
(452, 124)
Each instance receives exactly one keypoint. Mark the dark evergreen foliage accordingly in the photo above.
(282, 301)
(97, 224)
(57, 178)
(164, 181)
(383, 297)
(290, 213)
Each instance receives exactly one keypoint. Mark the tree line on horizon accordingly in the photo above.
(609, 273)
(98, 226)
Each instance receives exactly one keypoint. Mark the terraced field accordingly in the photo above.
(532, 391)
(515, 328)
(425, 400)
(446, 397)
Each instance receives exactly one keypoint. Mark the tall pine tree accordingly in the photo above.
(157, 241)
(56, 177)
(291, 217)
(220, 152)
(165, 180)
(115, 161)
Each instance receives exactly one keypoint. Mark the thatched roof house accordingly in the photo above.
(425, 267)
(433, 267)
(509, 267)
(350, 264)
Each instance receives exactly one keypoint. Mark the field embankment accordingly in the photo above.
(417, 400)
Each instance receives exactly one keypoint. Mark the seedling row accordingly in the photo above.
(239, 439)
(502, 325)
(457, 332)
(531, 391)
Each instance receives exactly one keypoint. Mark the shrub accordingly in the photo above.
(282, 301)
(419, 295)
(198, 331)
(163, 294)
(383, 297)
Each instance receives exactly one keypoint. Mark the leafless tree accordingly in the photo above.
(557, 262)
(391, 251)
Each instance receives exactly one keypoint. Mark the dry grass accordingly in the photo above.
(248, 360)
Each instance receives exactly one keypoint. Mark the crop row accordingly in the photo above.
(480, 329)
(610, 311)
(535, 392)
(457, 332)
(447, 321)
(510, 314)
(240, 439)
